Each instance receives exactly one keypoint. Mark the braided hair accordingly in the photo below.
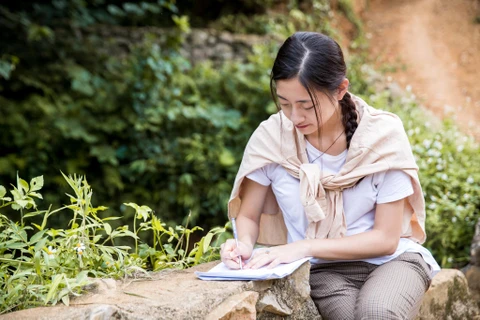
(317, 60)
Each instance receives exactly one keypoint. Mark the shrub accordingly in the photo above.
(40, 265)
(449, 174)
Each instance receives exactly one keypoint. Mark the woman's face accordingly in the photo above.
(298, 107)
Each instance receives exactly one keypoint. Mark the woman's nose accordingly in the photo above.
(296, 116)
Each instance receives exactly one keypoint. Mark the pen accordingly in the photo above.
(235, 235)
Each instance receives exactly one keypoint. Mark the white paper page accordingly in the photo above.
(222, 272)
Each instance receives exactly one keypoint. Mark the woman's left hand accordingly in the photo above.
(273, 256)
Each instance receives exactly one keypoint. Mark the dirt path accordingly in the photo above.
(434, 47)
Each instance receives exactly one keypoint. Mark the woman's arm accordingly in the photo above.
(381, 240)
(253, 198)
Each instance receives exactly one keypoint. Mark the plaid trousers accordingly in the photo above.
(361, 290)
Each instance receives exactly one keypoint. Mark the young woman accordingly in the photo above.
(338, 178)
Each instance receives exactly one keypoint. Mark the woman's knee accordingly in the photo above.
(376, 310)
(388, 309)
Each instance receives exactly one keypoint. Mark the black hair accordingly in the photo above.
(317, 60)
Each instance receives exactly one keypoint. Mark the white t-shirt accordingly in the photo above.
(359, 201)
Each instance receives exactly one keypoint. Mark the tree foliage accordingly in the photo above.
(148, 126)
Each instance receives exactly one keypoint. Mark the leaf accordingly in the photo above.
(157, 224)
(37, 260)
(226, 158)
(198, 252)
(34, 213)
(17, 195)
(20, 275)
(37, 226)
(111, 218)
(3, 191)
(66, 299)
(37, 236)
(142, 212)
(53, 288)
(22, 184)
(36, 195)
(82, 277)
(108, 228)
(36, 183)
(16, 245)
(133, 205)
(22, 203)
(206, 243)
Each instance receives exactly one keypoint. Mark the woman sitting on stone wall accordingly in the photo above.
(338, 180)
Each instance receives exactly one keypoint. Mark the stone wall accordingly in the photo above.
(199, 44)
(178, 294)
(206, 44)
(472, 271)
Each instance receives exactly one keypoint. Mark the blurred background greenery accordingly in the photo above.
(147, 124)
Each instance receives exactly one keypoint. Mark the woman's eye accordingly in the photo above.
(284, 105)
(309, 108)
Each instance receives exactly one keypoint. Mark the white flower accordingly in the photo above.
(432, 206)
(80, 247)
(439, 167)
(444, 176)
(438, 145)
(50, 252)
(427, 143)
(454, 219)
(470, 180)
(460, 148)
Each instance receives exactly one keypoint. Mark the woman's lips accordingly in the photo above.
(302, 127)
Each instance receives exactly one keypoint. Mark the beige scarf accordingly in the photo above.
(379, 144)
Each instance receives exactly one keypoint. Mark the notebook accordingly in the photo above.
(222, 272)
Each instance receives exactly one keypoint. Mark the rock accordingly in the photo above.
(88, 312)
(472, 271)
(198, 38)
(475, 247)
(448, 298)
(179, 294)
(473, 278)
(223, 51)
(239, 306)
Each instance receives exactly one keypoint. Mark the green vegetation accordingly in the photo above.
(40, 265)
(148, 126)
(446, 159)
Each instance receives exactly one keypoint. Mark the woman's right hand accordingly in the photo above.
(230, 253)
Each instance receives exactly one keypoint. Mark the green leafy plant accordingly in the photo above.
(40, 265)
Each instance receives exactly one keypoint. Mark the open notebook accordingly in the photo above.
(222, 272)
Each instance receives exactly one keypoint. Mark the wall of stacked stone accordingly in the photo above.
(472, 271)
(199, 44)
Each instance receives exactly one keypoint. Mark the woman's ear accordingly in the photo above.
(342, 89)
